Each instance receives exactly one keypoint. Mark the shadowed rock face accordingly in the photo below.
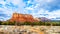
(22, 18)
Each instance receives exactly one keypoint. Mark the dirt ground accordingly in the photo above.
(8, 29)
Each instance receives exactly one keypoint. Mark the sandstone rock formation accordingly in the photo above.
(22, 18)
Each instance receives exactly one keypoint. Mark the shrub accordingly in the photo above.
(27, 23)
(0, 22)
(8, 23)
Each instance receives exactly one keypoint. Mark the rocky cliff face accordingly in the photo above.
(22, 18)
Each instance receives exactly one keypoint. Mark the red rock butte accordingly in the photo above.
(22, 18)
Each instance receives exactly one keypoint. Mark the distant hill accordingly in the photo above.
(44, 19)
(55, 20)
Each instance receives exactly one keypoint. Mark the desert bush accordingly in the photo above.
(0, 22)
(47, 24)
(8, 23)
(27, 23)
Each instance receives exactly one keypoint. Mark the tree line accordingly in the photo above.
(30, 23)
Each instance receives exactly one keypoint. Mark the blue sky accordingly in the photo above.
(38, 8)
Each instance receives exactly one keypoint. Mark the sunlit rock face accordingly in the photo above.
(22, 18)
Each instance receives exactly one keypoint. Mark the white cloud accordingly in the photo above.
(38, 7)
(49, 0)
(50, 15)
(16, 1)
(29, 8)
(2, 2)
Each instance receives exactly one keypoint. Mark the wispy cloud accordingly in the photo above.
(38, 8)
